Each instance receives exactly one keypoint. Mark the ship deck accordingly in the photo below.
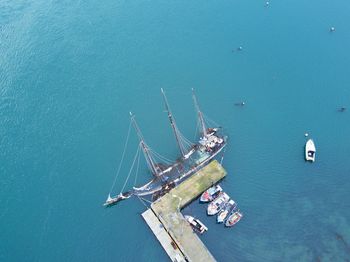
(167, 211)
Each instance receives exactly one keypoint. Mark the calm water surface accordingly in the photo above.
(70, 71)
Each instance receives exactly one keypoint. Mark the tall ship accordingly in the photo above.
(167, 174)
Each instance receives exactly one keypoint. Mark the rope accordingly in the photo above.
(195, 133)
(121, 161)
(149, 158)
(145, 200)
(223, 154)
(132, 166)
(184, 141)
(160, 156)
(142, 202)
(188, 142)
(210, 120)
(137, 168)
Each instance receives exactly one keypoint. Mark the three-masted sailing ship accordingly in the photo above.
(193, 156)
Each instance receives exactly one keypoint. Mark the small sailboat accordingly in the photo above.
(211, 194)
(196, 224)
(228, 208)
(218, 204)
(233, 218)
(310, 151)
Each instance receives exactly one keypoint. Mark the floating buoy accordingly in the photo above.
(332, 29)
(239, 48)
(240, 104)
(306, 134)
(267, 3)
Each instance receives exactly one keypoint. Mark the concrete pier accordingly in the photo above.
(178, 238)
(163, 237)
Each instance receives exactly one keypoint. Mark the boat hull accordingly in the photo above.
(170, 175)
(218, 204)
(147, 190)
(233, 219)
(223, 214)
(310, 151)
(196, 224)
(210, 194)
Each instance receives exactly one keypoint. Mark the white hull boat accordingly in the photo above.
(229, 207)
(233, 219)
(310, 151)
(211, 194)
(196, 224)
(218, 204)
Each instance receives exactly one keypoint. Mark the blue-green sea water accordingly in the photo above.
(70, 71)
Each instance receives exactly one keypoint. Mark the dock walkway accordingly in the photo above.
(163, 237)
(168, 216)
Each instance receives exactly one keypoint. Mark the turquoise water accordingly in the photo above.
(70, 71)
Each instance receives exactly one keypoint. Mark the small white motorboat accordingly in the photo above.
(196, 224)
(310, 151)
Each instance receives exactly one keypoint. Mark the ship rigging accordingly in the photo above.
(166, 173)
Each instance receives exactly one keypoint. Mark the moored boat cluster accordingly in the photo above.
(221, 205)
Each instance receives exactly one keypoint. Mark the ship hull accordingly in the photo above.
(147, 189)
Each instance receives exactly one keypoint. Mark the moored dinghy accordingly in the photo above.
(218, 204)
(196, 224)
(310, 150)
(211, 194)
(233, 218)
(229, 207)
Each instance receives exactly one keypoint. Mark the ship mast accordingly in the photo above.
(173, 125)
(145, 148)
(200, 115)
